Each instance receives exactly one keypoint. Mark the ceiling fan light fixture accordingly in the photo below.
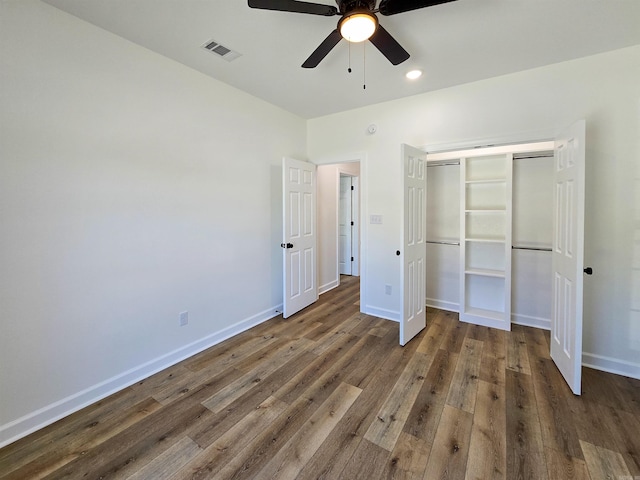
(358, 26)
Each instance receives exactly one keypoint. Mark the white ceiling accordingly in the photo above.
(454, 43)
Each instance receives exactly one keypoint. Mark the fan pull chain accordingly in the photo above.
(349, 69)
(364, 66)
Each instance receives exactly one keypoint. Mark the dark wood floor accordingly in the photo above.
(329, 393)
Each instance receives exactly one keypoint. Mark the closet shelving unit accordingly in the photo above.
(487, 286)
(485, 243)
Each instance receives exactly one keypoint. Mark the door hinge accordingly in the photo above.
(352, 224)
(352, 259)
(352, 187)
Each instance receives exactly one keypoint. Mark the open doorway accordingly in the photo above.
(339, 229)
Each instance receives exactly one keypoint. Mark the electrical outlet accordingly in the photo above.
(375, 219)
(387, 289)
(184, 318)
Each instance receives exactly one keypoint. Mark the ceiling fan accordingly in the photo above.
(358, 22)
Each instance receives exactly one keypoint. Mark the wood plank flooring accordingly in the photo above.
(329, 393)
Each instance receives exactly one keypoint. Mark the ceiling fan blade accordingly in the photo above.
(388, 46)
(391, 7)
(323, 49)
(294, 6)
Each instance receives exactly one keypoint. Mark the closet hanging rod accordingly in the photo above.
(442, 164)
(531, 156)
(532, 248)
(442, 243)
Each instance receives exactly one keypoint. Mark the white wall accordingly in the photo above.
(131, 189)
(531, 105)
(328, 203)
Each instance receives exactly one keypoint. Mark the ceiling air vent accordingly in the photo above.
(221, 50)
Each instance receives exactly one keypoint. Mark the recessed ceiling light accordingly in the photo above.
(413, 74)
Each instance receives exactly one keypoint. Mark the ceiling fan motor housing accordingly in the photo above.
(347, 6)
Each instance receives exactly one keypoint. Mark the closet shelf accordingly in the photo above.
(485, 240)
(485, 272)
(486, 210)
(481, 312)
(485, 180)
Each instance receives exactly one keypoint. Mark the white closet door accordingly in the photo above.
(414, 174)
(567, 255)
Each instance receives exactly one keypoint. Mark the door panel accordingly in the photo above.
(413, 277)
(567, 256)
(299, 242)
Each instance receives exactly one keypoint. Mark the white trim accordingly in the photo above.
(21, 427)
(364, 228)
(443, 305)
(498, 150)
(512, 139)
(392, 315)
(328, 286)
(337, 217)
(530, 321)
(611, 365)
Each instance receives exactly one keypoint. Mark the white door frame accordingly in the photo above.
(360, 157)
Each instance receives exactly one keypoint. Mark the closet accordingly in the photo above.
(489, 234)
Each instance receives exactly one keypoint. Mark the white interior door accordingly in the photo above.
(345, 226)
(355, 229)
(567, 256)
(299, 235)
(414, 175)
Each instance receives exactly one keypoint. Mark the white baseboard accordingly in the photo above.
(16, 429)
(328, 286)
(529, 321)
(392, 315)
(443, 305)
(611, 365)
